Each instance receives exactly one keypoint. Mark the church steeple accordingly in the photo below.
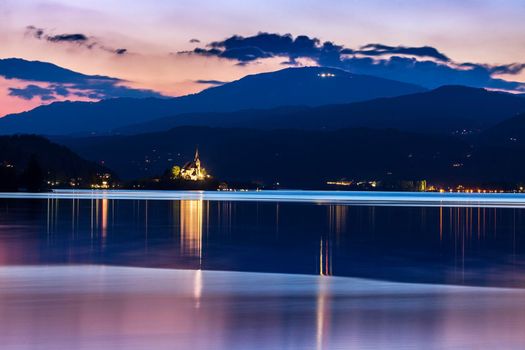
(197, 161)
(193, 170)
(196, 158)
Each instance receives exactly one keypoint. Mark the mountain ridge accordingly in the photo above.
(265, 90)
(446, 109)
(309, 158)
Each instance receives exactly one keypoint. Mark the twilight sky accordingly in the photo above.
(152, 44)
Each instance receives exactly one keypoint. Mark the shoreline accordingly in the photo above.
(418, 199)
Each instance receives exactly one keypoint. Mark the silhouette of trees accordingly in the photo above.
(8, 177)
(33, 175)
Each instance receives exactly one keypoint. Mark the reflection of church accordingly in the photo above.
(193, 170)
(191, 225)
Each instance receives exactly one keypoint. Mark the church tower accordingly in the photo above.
(197, 160)
(193, 170)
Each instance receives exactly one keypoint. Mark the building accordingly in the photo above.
(193, 170)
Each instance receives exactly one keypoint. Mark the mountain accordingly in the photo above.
(510, 132)
(51, 83)
(83, 117)
(291, 157)
(448, 109)
(57, 162)
(309, 158)
(17, 68)
(499, 150)
(311, 86)
(287, 117)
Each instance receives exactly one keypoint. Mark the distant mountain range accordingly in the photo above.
(449, 109)
(295, 98)
(291, 157)
(311, 86)
(302, 158)
(300, 127)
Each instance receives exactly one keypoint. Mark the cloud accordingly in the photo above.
(424, 51)
(429, 73)
(79, 39)
(38, 33)
(264, 45)
(55, 82)
(70, 38)
(194, 41)
(425, 65)
(512, 69)
(31, 91)
(210, 82)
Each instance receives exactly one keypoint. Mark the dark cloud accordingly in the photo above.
(94, 90)
(513, 68)
(62, 82)
(210, 82)
(70, 38)
(195, 41)
(38, 33)
(243, 55)
(264, 45)
(76, 38)
(205, 52)
(31, 91)
(425, 66)
(428, 73)
(424, 51)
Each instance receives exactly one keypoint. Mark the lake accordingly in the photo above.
(261, 268)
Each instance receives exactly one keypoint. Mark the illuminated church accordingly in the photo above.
(193, 170)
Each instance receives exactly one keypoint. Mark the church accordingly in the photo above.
(193, 170)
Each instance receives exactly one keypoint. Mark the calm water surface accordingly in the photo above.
(197, 274)
(466, 245)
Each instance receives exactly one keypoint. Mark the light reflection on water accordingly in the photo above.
(191, 222)
(110, 307)
(459, 245)
(102, 307)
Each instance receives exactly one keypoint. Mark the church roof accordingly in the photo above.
(189, 165)
(192, 164)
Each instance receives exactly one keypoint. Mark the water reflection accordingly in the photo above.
(322, 314)
(337, 216)
(116, 308)
(104, 225)
(437, 244)
(191, 222)
(197, 287)
(325, 257)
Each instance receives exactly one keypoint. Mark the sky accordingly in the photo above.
(166, 47)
